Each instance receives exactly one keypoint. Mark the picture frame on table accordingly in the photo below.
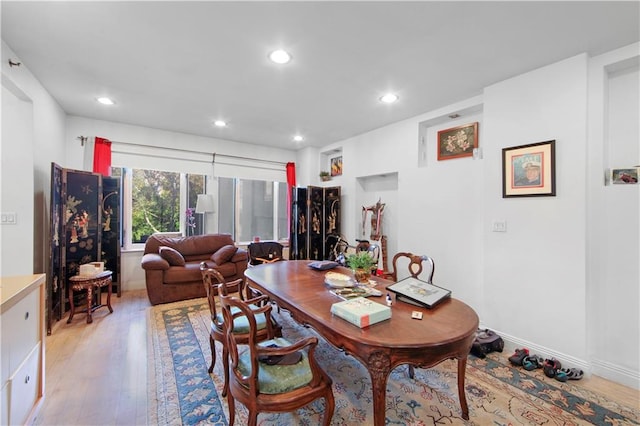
(336, 166)
(457, 142)
(529, 170)
(419, 293)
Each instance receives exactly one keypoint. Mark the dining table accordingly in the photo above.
(444, 332)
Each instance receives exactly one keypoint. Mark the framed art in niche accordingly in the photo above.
(457, 142)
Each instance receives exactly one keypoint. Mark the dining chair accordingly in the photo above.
(272, 375)
(415, 268)
(414, 265)
(265, 252)
(215, 285)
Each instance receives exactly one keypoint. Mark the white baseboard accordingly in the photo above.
(511, 343)
(616, 373)
(603, 369)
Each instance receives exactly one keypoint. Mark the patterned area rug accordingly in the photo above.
(183, 393)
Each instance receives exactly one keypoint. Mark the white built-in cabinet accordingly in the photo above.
(22, 309)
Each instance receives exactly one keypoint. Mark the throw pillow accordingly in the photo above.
(172, 256)
(224, 254)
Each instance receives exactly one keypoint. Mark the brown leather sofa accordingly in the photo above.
(172, 264)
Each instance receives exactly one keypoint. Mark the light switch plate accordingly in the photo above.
(499, 226)
(8, 218)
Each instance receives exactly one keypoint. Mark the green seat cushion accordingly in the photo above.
(241, 324)
(275, 379)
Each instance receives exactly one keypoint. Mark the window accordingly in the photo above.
(257, 209)
(159, 201)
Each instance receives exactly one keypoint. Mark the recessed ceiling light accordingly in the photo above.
(298, 138)
(220, 123)
(280, 56)
(105, 101)
(389, 98)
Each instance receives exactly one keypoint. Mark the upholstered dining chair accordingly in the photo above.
(273, 375)
(215, 285)
(415, 268)
(265, 252)
(414, 265)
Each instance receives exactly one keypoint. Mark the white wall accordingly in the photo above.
(530, 283)
(532, 271)
(613, 228)
(47, 140)
(17, 194)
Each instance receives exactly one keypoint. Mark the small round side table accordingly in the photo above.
(89, 283)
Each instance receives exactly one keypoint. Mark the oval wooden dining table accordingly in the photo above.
(446, 331)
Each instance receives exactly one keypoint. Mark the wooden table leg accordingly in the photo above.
(72, 309)
(379, 367)
(109, 291)
(462, 368)
(89, 302)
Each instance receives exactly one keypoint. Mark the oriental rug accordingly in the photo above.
(181, 392)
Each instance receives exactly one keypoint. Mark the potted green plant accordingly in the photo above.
(325, 176)
(362, 264)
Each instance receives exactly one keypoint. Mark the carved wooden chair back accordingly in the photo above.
(265, 252)
(414, 264)
(273, 375)
(215, 286)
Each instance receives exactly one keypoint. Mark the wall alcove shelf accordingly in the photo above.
(454, 117)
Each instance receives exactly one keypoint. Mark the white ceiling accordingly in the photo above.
(179, 65)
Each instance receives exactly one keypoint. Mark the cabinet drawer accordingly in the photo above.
(23, 388)
(20, 331)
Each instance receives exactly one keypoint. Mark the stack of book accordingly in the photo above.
(419, 293)
(361, 312)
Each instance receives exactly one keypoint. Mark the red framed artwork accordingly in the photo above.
(457, 142)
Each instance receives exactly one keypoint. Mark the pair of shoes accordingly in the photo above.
(551, 367)
(518, 356)
(564, 374)
(531, 362)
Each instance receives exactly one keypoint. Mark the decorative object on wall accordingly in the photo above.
(627, 176)
(315, 214)
(529, 170)
(457, 142)
(336, 166)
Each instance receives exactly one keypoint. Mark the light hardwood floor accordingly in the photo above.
(96, 374)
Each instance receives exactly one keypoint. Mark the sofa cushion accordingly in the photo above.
(189, 246)
(224, 254)
(172, 256)
(186, 274)
(227, 270)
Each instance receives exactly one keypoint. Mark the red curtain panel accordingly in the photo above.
(102, 156)
(291, 182)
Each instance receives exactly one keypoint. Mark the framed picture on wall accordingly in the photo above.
(625, 176)
(529, 170)
(336, 166)
(457, 142)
